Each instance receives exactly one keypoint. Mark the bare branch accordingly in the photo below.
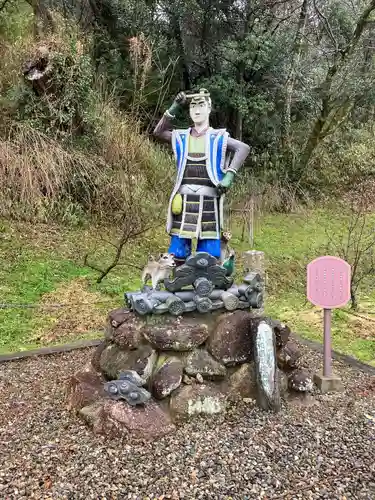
(327, 25)
(91, 266)
(128, 234)
(280, 21)
(327, 101)
(357, 246)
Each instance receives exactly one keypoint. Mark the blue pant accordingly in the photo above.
(181, 247)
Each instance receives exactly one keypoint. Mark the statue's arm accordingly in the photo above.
(241, 152)
(163, 129)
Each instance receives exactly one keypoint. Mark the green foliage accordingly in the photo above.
(16, 20)
(68, 155)
(65, 108)
(346, 162)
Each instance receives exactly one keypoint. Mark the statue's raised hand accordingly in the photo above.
(180, 99)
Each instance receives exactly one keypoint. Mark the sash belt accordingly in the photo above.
(199, 190)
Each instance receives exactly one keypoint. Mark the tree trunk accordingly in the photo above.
(42, 17)
(312, 142)
(353, 299)
(176, 23)
(205, 35)
(290, 81)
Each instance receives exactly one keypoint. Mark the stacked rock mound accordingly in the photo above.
(152, 371)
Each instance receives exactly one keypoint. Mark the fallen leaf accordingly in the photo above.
(47, 483)
(194, 476)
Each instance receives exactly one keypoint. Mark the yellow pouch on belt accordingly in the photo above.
(177, 205)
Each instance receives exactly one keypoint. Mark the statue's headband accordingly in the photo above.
(202, 96)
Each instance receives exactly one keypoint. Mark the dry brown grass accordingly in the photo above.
(35, 172)
(12, 58)
(109, 172)
(82, 313)
(363, 325)
(39, 175)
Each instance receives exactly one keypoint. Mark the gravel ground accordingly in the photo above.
(325, 449)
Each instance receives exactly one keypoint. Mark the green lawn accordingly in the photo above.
(43, 265)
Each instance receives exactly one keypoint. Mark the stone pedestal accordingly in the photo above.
(328, 384)
(187, 366)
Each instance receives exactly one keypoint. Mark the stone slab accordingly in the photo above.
(266, 370)
(192, 400)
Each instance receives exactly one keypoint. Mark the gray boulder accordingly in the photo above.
(288, 356)
(282, 332)
(300, 381)
(128, 335)
(231, 341)
(114, 360)
(133, 423)
(83, 389)
(119, 316)
(167, 376)
(242, 383)
(178, 335)
(200, 361)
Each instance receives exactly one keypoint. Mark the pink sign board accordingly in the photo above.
(328, 282)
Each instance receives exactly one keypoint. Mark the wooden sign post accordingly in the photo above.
(328, 286)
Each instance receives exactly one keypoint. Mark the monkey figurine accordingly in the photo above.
(225, 250)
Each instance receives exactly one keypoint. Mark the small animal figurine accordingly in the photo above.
(225, 250)
(228, 264)
(158, 270)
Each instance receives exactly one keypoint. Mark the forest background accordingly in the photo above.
(84, 186)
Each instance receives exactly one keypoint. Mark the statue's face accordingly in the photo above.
(200, 110)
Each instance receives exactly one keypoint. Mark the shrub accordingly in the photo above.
(65, 152)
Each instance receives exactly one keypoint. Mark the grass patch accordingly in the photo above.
(290, 242)
(42, 265)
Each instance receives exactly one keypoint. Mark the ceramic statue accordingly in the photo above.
(207, 161)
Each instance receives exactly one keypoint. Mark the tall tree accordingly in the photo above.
(332, 111)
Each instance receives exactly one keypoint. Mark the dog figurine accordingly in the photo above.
(158, 270)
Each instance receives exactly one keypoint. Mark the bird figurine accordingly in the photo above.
(228, 264)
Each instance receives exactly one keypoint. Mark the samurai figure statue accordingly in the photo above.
(207, 160)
